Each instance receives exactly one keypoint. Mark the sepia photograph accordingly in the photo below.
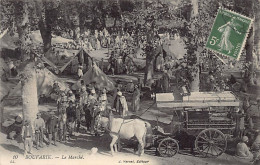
(130, 82)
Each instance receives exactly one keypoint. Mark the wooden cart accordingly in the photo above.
(205, 115)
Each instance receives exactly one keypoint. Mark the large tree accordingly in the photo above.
(28, 74)
(47, 12)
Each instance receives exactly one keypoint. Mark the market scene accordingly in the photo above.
(152, 82)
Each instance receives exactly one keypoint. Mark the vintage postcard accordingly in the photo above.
(129, 82)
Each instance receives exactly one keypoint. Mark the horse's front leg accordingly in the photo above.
(114, 139)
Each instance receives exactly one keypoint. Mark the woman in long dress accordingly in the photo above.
(225, 43)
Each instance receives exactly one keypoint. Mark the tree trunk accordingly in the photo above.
(22, 20)
(195, 83)
(149, 70)
(29, 92)
(44, 25)
(1, 115)
(249, 47)
(249, 58)
(28, 77)
(150, 58)
(46, 36)
(257, 35)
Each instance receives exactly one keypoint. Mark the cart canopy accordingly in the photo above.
(198, 99)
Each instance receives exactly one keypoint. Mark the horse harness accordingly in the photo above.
(117, 133)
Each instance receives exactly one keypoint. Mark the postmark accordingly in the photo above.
(229, 33)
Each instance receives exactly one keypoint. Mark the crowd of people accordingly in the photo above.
(77, 111)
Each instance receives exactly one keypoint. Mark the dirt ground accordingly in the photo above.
(81, 144)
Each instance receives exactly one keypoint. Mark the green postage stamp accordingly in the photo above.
(229, 33)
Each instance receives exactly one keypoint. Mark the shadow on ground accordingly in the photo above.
(12, 148)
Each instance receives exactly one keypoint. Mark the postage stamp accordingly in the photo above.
(229, 33)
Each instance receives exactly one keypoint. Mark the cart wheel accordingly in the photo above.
(211, 142)
(168, 147)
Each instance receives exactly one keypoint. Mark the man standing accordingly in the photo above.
(78, 115)
(130, 86)
(83, 96)
(92, 101)
(39, 126)
(240, 123)
(71, 96)
(120, 104)
(62, 125)
(52, 128)
(136, 99)
(71, 115)
(165, 81)
(62, 101)
(103, 101)
(27, 135)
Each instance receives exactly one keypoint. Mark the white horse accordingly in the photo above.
(126, 129)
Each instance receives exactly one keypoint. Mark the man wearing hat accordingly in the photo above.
(27, 135)
(120, 104)
(242, 149)
(39, 125)
(71, 96)
(92, 102)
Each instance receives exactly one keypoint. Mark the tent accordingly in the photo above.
(4, 88)
(37, 38)
(95, 74)
(45, 80)
(83, 58)
(7, 41)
